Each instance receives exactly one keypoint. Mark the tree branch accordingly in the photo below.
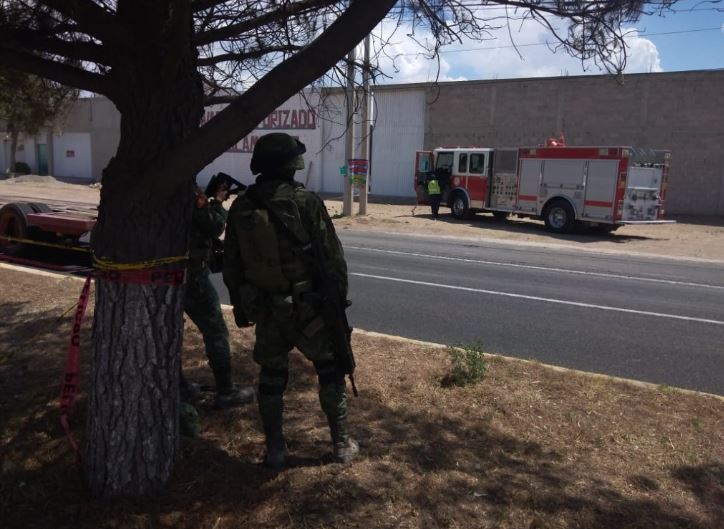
(90, 17)
(34, 40)
(284, 12)
(246, 55)
(55, 71)
(203, 5)
(219, 100)
(249, 109)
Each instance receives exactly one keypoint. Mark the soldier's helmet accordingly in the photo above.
(277, 151)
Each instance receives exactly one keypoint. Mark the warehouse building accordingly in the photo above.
(679, 111)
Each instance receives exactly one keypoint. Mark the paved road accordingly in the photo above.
(650, 319)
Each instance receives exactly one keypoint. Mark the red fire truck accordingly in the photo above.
(602, 187)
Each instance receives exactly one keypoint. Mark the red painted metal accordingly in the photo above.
(598, 203)
(477, 187)
(61, 223)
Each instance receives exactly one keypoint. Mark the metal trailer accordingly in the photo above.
(28, 226)
(602, 187)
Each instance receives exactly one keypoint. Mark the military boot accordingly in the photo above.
(230, 395)
(189, 420)
(234, 397)
(276, 450)
(345, 448)
(271, 410)
(333, 398)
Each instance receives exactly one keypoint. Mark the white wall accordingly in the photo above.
(72, 156)
(293, 117)
(332, 117)
(399, 132)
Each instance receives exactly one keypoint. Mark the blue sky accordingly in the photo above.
(649, 50)
(688, 51)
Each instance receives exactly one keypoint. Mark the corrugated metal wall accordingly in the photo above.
(399, 132)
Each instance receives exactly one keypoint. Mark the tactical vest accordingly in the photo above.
(433, 187)
(272, 261)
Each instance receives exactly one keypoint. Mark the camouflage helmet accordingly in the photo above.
(275, 151)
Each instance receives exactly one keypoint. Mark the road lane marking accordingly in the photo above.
(537, 298)
(541, 268)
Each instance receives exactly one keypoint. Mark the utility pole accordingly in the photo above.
(349, 137)
(365, 148)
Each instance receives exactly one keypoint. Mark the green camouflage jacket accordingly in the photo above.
(282, 265)
(207, 223)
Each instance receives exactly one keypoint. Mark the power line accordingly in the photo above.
(529, 44)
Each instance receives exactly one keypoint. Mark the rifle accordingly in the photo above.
(334, 314)
(220, 179)
(333, 304)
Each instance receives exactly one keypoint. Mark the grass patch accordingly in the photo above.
(468, 365)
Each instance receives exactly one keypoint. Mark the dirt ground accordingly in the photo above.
(528, 447)
(698, 237)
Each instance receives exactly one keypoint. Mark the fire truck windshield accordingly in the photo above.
(444, 161)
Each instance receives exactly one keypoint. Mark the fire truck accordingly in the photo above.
(601, 187)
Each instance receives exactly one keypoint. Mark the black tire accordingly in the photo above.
(39, 207)
(14, 223)
(501, 215)
(559, 216)
(459, 206)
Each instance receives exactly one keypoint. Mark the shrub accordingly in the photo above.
(21, 168)
(468, 365)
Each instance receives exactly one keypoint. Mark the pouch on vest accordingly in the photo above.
(259, 246)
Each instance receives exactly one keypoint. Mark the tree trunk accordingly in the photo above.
(132, 435)
(13, 147)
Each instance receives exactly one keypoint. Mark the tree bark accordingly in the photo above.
(13, 147)
(132, 435)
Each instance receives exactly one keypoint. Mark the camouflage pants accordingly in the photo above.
(278, 331)
(203, 307)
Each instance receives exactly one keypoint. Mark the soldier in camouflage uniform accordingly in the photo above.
(202, 301)
(268, 274)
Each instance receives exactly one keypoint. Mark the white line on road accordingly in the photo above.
(536, 298)
(534, 267)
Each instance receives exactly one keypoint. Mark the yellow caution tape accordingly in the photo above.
(108, 265)
(99, 262)
(46, 244)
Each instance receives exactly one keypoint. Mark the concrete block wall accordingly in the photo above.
(677, 111)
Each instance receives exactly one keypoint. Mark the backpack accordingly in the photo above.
(259, 240)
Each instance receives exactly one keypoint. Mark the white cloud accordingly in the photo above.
(498, 59)
(405, 59)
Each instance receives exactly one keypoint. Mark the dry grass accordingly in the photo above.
(528, 447)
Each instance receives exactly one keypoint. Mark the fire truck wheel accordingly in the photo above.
(459, 207)
(559, 217)
(13, 223)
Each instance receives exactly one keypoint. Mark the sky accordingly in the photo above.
(691, 38)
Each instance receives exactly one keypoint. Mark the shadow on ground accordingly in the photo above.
(515, 225)
(421, 467)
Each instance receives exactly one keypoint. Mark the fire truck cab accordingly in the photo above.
(603, 187)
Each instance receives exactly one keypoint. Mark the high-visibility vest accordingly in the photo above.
(433, 187)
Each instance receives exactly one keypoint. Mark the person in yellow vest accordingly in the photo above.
(434, 194)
